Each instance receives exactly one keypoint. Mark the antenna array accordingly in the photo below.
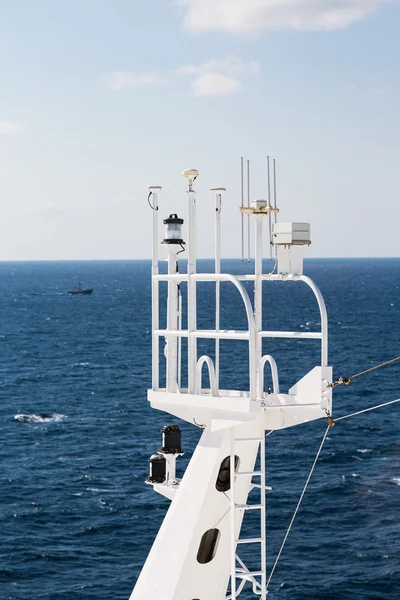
(257, 209)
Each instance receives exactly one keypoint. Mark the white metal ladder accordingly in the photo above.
(238, 568)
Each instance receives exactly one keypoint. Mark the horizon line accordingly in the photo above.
(54, 260)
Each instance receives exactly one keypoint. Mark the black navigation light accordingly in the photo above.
(171, 440)
(158, 469)
(173, 230)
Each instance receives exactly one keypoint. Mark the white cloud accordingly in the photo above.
(215, 84)
(120, 80)
(218, 77)
(212, 78)
(9, 128)
(231, 65)
(255, 16)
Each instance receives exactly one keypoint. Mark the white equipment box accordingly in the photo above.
(297, 234)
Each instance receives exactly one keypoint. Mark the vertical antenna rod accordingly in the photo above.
(153, 194)
(218, 202)
(192, 175)
(275, 189)
(242, 198)
(275, 215)
(269, 206)
(248, 216)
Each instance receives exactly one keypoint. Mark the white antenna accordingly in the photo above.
(242, 198)
(192, 175)
(269, 206)
(218, 203)
(276, 214)
(248, 215)
(154, 190)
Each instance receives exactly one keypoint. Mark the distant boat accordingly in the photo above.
(81, 290)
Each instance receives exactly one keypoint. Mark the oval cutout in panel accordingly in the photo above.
(208, 546)
(223, 483)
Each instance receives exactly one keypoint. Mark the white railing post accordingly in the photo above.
(324, 318)
(274, 371)
(191, 174)
(172, 322)
(211, 374)
(155, 290)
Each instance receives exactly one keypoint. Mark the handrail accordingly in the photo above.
(211, 374)
(250, 319)
(321, 305)
(324, 317)
(236, 281)
(274, 371)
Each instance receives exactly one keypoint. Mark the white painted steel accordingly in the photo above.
(269, 206)
(310, 335)
(211, 374)
(205, 333)
(248, 216)
(180, 315)
(171, 571)
(250, 321)
(234, 423)
(242, 203)
(258, 285)
(155, 292)
(191, 296)
(274, 372)
(218, 205)
(323, 335)
(324, 317)
(172, 322)
(179, 277)
(263, 522)
(233, 515)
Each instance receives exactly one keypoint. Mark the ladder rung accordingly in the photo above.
(268, 488)
(246, 575)
(244, 473)
(249, 541)
(248, 506)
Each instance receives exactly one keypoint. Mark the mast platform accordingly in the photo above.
(196, 554)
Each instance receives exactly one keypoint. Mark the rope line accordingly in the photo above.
(331, 423)
(360, 412)
(348, 380)
(297, 507)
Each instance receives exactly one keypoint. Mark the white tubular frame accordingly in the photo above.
(191, 296)
(217, 285)
(274, 371)
(211, 374)
(172, 322)
(251, 335)
(193, 334)
(258, 286)
(155, 318)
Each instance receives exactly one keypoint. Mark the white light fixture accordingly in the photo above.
(173, 230)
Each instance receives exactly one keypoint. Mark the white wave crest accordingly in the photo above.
(53, 418)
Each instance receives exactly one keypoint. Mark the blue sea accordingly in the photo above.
(76, 518)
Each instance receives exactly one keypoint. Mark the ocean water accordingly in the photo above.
(77, 520)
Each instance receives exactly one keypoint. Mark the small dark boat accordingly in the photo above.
(81, 290)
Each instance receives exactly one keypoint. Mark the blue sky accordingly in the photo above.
(100, 99)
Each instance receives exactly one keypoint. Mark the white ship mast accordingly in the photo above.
(197, 552)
